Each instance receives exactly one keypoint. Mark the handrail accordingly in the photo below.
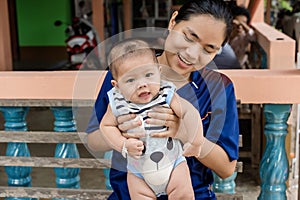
(279, 47)
(266, 86)
(67, 88)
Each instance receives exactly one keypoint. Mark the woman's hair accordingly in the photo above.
(216, 8)
(128, 49)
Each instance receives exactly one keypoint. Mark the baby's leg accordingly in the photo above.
(180, 184)
(138, 188)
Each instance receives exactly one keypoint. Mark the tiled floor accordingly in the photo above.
(42, 119)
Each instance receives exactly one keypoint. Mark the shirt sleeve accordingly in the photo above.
(169, 89)
(100, 106)
(230, 133)
(224, 125)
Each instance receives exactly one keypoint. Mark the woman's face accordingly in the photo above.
(192, 44)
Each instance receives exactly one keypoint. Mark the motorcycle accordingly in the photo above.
(82, 39)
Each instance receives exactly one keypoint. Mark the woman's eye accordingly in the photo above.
(149, 75)
(209, 50)
(130, 80)
(187, 38)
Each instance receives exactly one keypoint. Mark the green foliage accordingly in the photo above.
(285, 5)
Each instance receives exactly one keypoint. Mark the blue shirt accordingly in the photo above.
(225, 60)
(212, 94)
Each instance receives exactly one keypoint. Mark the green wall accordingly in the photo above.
(36, 19)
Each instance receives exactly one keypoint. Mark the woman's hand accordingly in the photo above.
(127, 122)
(164, 117)
(161, 116)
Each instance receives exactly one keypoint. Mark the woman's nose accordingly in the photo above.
(198, 55)
(193, 52)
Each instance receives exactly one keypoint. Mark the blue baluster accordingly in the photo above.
(107, 155)
(64, 122)
(226, 185)
(274, 163)
(15, 121)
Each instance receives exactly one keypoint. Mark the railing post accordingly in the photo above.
(226, 185)
(15, 121)
(64, 122)
(107, 155)
(274, 163)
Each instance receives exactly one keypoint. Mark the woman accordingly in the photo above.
(196, 33)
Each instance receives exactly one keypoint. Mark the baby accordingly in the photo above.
(152, 161)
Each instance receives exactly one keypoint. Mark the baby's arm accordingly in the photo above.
(190, 130)
(114, 138)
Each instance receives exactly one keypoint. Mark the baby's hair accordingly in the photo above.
(130, 48)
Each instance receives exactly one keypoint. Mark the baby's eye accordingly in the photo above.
(149, 75)
(130, 80)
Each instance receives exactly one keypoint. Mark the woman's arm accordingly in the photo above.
(214, 157)
(220, 149)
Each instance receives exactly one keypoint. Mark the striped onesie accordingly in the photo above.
(162, 154)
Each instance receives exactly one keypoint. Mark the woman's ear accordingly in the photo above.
(159, 68)
(172, 20)
(114, 83)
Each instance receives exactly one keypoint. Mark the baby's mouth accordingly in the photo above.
(144, 94)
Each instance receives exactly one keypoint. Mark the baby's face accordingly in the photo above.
(139, 79)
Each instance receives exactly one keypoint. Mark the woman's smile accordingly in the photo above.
(184, 60)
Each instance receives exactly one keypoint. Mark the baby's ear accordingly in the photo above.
(114, 83)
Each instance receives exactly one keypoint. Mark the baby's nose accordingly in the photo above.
(142, 84)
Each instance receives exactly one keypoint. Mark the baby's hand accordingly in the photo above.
(134, 147)
(191, 150)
